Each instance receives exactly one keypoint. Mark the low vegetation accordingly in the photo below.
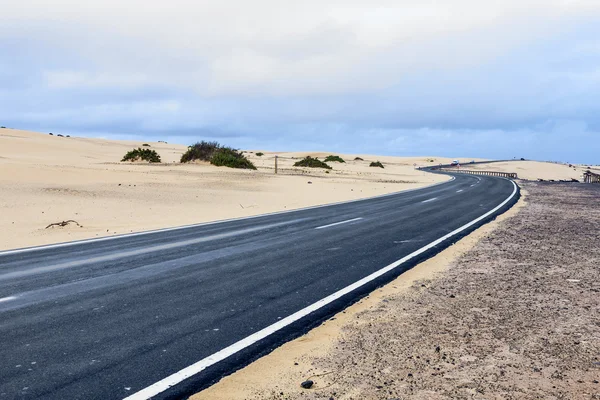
(2, 127)
(145, 145)
(228, 157)
(376, 164)
(334, 159)
(260, 154)
(311, 163)
(217, 155)
(358, 159)
(202, 151)
(140, 154)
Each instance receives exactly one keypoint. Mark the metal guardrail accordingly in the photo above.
(590, 177)
(511, 175)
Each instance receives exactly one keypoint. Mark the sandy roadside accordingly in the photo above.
(46, 179)
(509, 312)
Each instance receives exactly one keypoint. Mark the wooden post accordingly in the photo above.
(276, 164)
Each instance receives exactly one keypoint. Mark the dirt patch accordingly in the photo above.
(516, 317)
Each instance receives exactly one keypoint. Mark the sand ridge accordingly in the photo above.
(534, 170)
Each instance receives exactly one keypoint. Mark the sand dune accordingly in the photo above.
(534, 170)
(46, 179)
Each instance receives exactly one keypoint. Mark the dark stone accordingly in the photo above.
(307, 384)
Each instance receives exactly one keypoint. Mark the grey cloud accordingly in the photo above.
(335, 80)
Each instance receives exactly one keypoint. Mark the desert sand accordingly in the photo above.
(47, 179)
(534, 170)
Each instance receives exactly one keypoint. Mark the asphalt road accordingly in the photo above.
(105, 319)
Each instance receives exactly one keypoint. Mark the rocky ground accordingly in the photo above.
(518, 317)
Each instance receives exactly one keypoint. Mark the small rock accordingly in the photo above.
(309, 182)
(452, 296)
(307, 384)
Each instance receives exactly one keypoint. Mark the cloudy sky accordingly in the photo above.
(498, 79)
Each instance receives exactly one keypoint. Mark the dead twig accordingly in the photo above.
(64, 223)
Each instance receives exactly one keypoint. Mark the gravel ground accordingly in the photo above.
(517, 317)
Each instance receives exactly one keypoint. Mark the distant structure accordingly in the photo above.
(590, 177)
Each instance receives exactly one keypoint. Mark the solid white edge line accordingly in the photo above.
(338, 223)
(76, 242)
(201, 365)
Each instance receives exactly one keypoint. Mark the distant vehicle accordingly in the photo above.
(522, 159)
(455, 162)
(472, 162)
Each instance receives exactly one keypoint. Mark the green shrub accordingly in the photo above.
(358, 159)
(228, 157)
(142, 154)
(145, 145)
(260, 154)
(334, 159)
(376, 164)
(218, 155)
(2, 127)
(202, 151)
(311, 163)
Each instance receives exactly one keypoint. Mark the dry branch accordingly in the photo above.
(64, 223)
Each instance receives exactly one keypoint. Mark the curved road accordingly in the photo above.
(166, 313)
